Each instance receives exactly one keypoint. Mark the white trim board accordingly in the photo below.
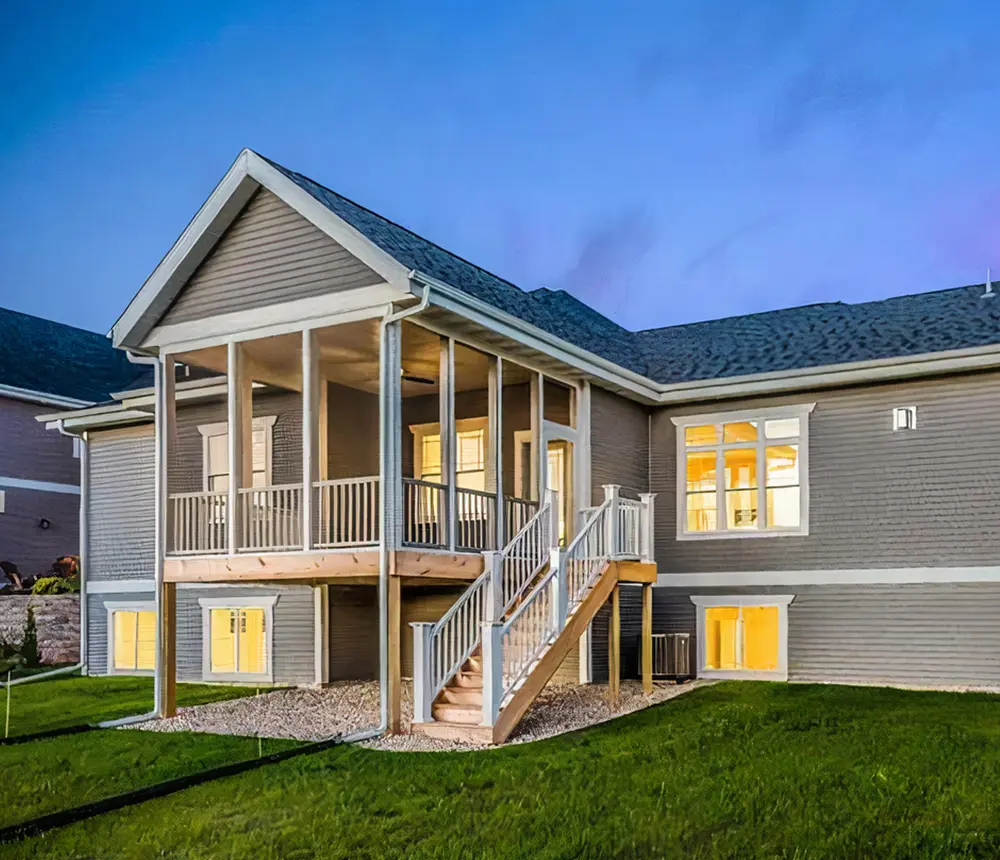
(265, 602)
(111, 607)
(780, 601)
(40, 486)
(868, 576)
(120, 586)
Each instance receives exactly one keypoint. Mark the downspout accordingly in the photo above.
(383, 555)
(158, 418)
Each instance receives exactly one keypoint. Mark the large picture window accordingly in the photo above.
(743, 474)
(743, 636)
(237, 638)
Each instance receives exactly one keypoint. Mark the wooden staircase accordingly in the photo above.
(457, 710)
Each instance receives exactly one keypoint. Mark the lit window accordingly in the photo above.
(743, 636)
(470, 453)
(235, 640)
(134, 644)
(743, 474)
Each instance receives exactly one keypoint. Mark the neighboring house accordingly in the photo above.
(46, 365)
(824, 477)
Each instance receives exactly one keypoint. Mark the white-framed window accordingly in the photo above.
(237, 639)
(215, 453)
(743, 636)
(904, 418)
(131, 637)
(743, 474)
(470, 453)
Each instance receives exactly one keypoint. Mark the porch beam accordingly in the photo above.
(494, 466)
(449, 459)
(239, 430)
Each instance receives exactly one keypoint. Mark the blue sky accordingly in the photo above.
(665, 163)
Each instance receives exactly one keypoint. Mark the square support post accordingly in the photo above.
(552, 500)
(423, 698)
(493, 562)
(647, 638)
(165, 694)
(310, 433)
(614, 648)
(321, 631)
(539, 456)
(647, 533)
(395, 644)
(492, 638)
(612, 492)
(239, 389)
(168, 628)
(449, 459)
(494, 465)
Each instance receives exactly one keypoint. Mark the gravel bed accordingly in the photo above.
(314, 714)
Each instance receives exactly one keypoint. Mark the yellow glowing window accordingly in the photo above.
(135, 640)
(743, 475)
(470, 458)
(238, 641)
(741, 638)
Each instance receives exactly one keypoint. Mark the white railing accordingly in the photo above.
(197, 523)
(271, 517)
(440, 649)
(424, 512)
(516, 513)
(629, 519)
(347, 512)
(511, 648)
(475, 519)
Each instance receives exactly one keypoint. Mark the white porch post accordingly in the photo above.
(647, 542)
(612, 491)
(494, 466)
(493, 562)
(164, 693)
(492, 639)
(422, 698)
(390, 438)
(539, 456)
(239, 393)
(310, 433)
(449, 460)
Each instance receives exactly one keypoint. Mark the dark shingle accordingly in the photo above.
(809, 336)
(46, 356)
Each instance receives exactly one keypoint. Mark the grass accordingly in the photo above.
(733, 770)
(70, 700)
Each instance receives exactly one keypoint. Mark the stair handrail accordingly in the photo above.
(442, 647)
(512, 647)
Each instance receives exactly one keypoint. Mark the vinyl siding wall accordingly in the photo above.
(904, 634)
(878, 498)
(619, 444)
(29, 451)
(270, 254)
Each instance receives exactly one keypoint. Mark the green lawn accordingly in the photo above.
(733, 770)
(67, 700)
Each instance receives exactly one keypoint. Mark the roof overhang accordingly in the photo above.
(43, 397)
(247, 174)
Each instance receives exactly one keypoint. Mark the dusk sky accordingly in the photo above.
(665, 164)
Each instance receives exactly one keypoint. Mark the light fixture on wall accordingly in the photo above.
(44, 523)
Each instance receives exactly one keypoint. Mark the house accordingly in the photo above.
(45, 365)
(364, 456)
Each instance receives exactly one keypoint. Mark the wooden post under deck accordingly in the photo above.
(168, 631)
(614, 648)
(395, 648)
(647, 638)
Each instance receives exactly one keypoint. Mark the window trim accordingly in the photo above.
(221, 428)
(681, 422)
(113, 606)
(207, 605)
(781, 601)
(434, 428)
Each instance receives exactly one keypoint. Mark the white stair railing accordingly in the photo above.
(512, 647)
(441, 648)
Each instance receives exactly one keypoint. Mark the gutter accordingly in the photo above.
(31, 396)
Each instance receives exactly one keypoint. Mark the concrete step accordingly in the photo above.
(466, 715)
(459, 732)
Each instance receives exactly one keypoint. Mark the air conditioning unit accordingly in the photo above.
(672, 656)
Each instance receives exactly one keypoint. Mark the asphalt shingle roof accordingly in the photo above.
(802, 337)
(53, 358)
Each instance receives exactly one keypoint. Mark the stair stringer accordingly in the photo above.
(554, 655)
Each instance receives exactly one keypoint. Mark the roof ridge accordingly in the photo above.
(743, 316)
(395, 224)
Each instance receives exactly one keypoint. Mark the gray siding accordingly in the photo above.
(353, 632)
(122, 502)
(185, 472)
(878, 498)
(630, 609)
(24, 542)
(97, 629)
(619, 444)
(29, 451)
(352, 432)
(906, 634)
(293, 659)
(270, 254)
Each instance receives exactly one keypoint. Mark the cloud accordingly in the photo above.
(608, 254)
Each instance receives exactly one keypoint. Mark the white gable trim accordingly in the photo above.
(248, 173)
